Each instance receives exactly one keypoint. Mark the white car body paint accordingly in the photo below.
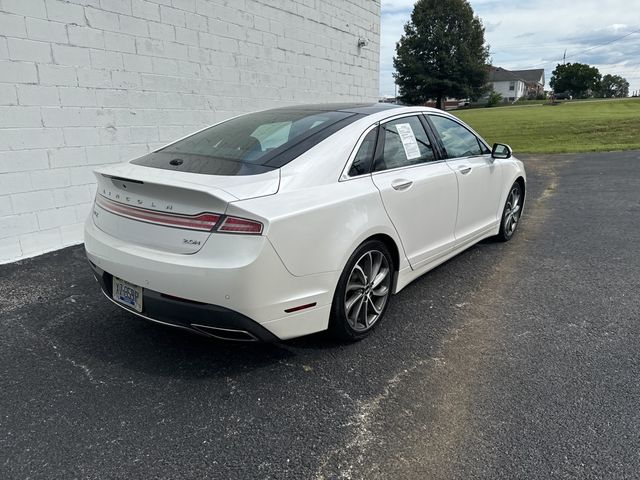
(314, 216)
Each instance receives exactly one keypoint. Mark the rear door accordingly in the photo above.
(478, 174)
(419, 191)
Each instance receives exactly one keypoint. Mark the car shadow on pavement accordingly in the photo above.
(54, 302)
(117, 338)
(74, 321)
(165, 351)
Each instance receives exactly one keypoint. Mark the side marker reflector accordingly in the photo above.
(301, 307)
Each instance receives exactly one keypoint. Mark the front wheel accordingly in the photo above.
(363, 292)
(511, 213)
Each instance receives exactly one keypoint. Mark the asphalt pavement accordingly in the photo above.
(514, 360)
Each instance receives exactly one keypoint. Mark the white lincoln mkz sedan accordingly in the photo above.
(290, 221)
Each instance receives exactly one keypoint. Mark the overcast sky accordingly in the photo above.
(535, 34)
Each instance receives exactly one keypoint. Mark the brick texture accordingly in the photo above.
(84, 83)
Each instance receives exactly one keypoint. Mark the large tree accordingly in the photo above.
(441, 54)
(614, 86)
(578, 79)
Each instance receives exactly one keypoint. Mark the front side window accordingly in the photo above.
(456, 140)
(405, 143)
(512, 85)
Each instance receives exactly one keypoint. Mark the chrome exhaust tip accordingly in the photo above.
(225, 333)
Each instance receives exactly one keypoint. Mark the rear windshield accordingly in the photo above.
(251, 143)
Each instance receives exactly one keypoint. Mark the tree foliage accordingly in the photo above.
(578, 79)
(613, 86)
(441, 54)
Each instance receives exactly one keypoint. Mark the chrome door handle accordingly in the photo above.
(401, 184)
(464, 170)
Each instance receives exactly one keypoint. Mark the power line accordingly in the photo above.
(604, 44)
(589, 49)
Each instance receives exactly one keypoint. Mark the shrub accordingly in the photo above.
(494, 99)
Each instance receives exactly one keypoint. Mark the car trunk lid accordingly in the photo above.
(167, 210)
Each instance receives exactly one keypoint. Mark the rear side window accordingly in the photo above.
(405, 143)
(362, 161)
(457, 140)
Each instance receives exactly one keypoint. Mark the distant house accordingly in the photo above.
(515, 84)
(447, 103)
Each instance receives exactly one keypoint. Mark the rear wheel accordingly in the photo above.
(511, 213)
(363, 292)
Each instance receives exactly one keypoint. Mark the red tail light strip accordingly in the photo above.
(240, 225)
(203, 222)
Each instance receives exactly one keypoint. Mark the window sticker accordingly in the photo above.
(408, 139)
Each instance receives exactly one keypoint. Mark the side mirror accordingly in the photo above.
(501, 151)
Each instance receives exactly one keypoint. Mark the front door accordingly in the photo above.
(479, 178)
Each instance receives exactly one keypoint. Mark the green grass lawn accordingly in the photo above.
(565, 128)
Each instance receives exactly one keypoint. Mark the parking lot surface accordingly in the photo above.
(516, 360)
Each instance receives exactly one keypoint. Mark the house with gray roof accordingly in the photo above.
(516, 84)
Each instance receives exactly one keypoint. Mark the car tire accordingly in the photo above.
(363, 291)
(511, 213)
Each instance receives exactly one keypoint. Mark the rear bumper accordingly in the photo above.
(239, 280)
(202, 318)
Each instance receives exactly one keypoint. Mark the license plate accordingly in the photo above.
(127, 293)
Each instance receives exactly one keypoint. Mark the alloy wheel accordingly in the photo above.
(367, 290)
(512, 210)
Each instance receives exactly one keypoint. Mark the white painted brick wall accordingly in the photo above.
(88, 82)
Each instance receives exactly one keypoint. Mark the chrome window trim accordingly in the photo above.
(345, 172)
(406, 167)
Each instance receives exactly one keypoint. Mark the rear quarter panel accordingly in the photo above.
(316, 229)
